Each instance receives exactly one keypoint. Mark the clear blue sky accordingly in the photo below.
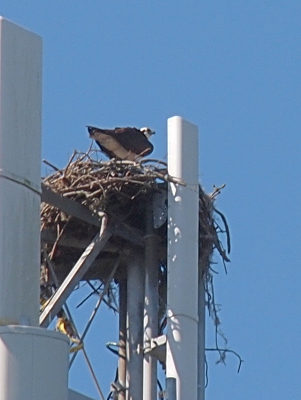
(232, 68)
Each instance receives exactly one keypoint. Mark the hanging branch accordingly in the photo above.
(222, 353)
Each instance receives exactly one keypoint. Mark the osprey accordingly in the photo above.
(123, 143)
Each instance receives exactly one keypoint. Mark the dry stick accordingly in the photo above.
(148, 160)
(51, 165)
(101, 190)
(57, 240)
(70, 161)
(216, 191)
(51, 268)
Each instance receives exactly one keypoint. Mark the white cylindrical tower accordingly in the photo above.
(183, 238)
(33, 361)
(20, 178)
(33, 364)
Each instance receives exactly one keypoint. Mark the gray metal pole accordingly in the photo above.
(122, 337)
(201, 339)
(171, 388)
(150, 308)
(135, 306)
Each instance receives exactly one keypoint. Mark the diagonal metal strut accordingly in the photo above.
(77, 272)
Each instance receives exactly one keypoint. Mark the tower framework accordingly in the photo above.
(107, 221)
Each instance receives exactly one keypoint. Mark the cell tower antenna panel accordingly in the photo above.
(24, 346)
(182, 263)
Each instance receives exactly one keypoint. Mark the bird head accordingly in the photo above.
(147, 132)
(92, 130)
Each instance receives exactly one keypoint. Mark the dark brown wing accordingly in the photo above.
(94, 133)
(120, 141)
(132, 139)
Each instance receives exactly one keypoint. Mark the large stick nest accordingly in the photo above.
(116, 187)
(121, 189)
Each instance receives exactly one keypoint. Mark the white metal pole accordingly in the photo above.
(33, 364)
(135, 305)
(33, 361)
(20, 163)
(182, 292)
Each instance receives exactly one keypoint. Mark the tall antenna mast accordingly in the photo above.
(32, 359)
(182, 263)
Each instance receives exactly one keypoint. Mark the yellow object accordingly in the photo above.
(64, 325)
(76, 348)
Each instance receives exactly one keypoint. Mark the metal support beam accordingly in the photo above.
(150, 308)
(135, 305)
(69, 206)
(122, 337)
(76, 274)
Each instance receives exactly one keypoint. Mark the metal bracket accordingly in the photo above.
(157, 348)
